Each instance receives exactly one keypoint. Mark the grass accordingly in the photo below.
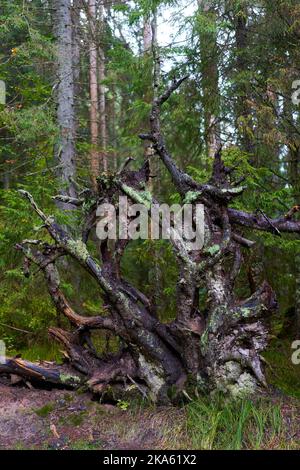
(51, 351)
(40, 352)
(235, 425)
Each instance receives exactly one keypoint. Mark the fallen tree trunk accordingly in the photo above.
(53, 375)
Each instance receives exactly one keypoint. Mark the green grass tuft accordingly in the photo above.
(220, 424)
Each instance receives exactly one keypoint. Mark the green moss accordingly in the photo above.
(212, 250)
(216, 318)
(245, 312)
(146, 195)
(78, 249)
(191, 196)
(280, 370)
(45, 410)
(77, 419)
(84, 445)
(141, 197)
(68, 378)
(204, 341)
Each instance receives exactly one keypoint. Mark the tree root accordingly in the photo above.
(41, 373)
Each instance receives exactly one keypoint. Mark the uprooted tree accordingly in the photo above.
(218, 350)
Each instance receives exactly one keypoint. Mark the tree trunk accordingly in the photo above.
(102, 99)
(76, 11)
(94, 111)
(209, 80)
(148, 42)
(65, 153)
(243, 109)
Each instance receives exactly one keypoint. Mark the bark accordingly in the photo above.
(94, 105)
(6, 180)
(65, 97)
(40, 373)
(76, 11)
(149, 33)
(209, 80)
(243, 108)
(102, 98)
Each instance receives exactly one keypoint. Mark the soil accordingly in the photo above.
(60, 419)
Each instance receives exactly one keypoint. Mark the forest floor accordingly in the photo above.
(60, 419)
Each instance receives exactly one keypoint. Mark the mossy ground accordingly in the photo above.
(281, 372)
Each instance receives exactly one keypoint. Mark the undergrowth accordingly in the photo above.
(220, 424)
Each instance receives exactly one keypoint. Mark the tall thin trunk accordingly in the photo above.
(148, 43)
(147, 35)
(102, 99)
(113, 123)
(76, 51)
(210, 77)
(156, 84)
(6, 180)
(243, 109)
(147, 48)
(94, 111)
(65, 153)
